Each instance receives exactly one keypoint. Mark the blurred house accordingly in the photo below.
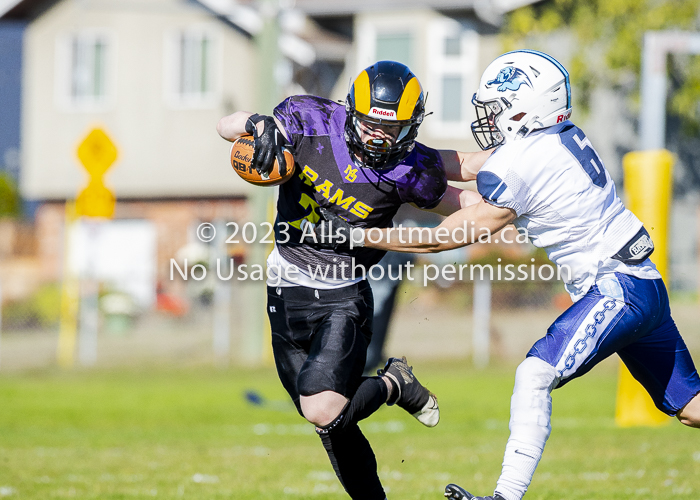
(447, 44)
(156, 76)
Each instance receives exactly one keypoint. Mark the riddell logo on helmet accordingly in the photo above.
(563, 118)
(382, 113)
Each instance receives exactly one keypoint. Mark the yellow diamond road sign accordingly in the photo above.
(95, 201)
(97, 153)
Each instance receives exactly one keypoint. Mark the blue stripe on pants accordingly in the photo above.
(632, 318)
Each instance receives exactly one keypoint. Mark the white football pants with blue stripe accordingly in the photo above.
(620, 314)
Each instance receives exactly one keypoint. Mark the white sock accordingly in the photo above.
(530, 416)
(519, 464)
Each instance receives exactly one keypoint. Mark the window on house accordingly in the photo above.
(194, 77)
(453, 46)
(452, 98)
(88, 68)
(452, 76)
(395, 47)
(191, 67)
(83, 64)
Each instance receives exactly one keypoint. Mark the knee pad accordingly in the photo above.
(536, 374)
(531, 404)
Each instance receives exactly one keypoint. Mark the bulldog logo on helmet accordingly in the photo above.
(510, 78)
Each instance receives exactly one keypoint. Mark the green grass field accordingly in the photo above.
(191, 434)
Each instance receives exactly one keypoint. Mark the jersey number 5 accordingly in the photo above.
(578, 144)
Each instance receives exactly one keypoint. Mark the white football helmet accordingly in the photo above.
(519, 92)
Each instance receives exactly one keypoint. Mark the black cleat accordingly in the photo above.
(454, 492)
(412, 397)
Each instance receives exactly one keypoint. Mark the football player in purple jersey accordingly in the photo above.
(360, 161)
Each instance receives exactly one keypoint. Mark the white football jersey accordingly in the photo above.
(566, 202)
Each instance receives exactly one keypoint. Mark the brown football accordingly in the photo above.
(241, 156)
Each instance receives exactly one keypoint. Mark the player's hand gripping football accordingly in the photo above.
(332, 231)
(269, 145)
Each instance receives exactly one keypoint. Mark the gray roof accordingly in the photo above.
(12, 9)
(349, 7)
(15, 9)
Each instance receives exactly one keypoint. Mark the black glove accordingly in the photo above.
(270, 144)
(332, 231)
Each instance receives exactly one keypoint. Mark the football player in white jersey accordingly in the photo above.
(546, 178)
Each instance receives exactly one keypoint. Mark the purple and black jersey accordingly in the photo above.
(327, 176)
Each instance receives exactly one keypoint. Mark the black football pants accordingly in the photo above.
(319, 340)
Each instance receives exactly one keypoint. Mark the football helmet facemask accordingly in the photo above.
(519, 92)
(385, 95)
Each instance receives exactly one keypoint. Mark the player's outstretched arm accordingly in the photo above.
(462, 228)
(454, 199)
(463, 166)
(233, 126)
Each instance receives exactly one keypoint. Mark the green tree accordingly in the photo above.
(10, 203)
(608, 35)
